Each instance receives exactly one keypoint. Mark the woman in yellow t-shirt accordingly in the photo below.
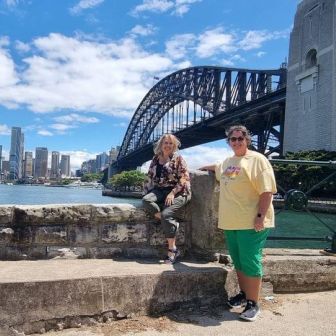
(247, 185)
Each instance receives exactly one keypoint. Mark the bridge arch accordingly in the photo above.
(192, 96)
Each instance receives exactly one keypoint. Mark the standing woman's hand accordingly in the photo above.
(169, 199)
(259, 223)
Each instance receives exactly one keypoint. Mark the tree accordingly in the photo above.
(127, 180)
(93, 177)
(302, 177)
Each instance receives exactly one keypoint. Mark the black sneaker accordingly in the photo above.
(237, 301)
(251, 311)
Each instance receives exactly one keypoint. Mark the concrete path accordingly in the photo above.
(310, 314)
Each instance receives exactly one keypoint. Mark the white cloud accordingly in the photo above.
(7, 70)
(78, 157)
(261, 53)
(61, 128)
(4, 130)
(213, 41)
(74, 117)
(156, 6)
(177, 7)
(202, 155)
(183, 6)
(179, 45)
(11, 3)
(4, 41)
(81, 75)
(254, 39)
(143, 30)
(45, 133)
(22, 47)
(85, 4)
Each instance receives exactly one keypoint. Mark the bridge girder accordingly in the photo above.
(216, 102)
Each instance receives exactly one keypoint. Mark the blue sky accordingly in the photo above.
(73, 72)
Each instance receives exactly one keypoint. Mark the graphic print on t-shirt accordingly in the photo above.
(231, 172)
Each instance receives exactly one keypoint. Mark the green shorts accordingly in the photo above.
(245, 248)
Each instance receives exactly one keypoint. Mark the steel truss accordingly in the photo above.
(197, 95)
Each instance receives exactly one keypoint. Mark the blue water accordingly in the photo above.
(30, 195)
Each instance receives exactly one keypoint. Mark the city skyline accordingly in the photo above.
(72, 74)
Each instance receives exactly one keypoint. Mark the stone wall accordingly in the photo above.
(107, 230)
(85, 231)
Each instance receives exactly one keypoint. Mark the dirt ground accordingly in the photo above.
(310, 314)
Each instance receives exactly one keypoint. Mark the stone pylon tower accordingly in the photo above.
(310, 119)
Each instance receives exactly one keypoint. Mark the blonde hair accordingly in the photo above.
(239, 128)
(158, 146)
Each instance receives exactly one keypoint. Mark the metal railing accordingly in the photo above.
(296, 204)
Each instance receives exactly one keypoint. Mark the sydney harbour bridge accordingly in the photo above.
(197, 104)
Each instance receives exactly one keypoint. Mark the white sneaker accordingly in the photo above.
(251, 311)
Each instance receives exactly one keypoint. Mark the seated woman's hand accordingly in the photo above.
(169, 199)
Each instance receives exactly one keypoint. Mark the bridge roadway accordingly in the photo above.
(258, 115)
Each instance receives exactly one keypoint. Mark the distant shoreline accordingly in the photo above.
(122, 194)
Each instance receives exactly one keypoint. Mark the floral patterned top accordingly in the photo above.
(174, 174)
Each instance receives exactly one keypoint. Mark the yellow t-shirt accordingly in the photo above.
(242, 179)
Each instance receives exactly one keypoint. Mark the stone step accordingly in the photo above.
(39, 295)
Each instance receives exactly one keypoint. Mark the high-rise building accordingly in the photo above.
(41, 162)
(55, 165)
(16, 154)
(89, 167)
(28, 165)
(5, 169)
(114, 154)
(102, 161)
(0, 158)
(65, 165)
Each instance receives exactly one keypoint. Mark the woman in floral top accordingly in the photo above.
(167, 189)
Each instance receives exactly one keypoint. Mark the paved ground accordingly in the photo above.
(310, 314)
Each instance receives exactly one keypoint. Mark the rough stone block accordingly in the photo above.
(117, 213)
(83, 234)
(6, 215)
(141, 252)
(6, 234)
(48, 300)
(50, 235)
(23, 234)
(104, 252)
(59, 252)
(51, 214)
(130, 233)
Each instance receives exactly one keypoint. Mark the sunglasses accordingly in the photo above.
(234, 139)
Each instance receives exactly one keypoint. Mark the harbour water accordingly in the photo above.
(30, 195)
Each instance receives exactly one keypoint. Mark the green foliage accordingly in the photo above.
(94, 177)
(65, 181)
(301, 177)
(127, 180)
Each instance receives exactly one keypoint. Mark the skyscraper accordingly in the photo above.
(101, 161)
(65, 165)
(55, 165)
(0, 158)
(41, 162)
(28, 165)
(16, 154)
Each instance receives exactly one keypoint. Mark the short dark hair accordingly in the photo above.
(239, 128)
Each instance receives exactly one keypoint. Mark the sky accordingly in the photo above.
(73, 72)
